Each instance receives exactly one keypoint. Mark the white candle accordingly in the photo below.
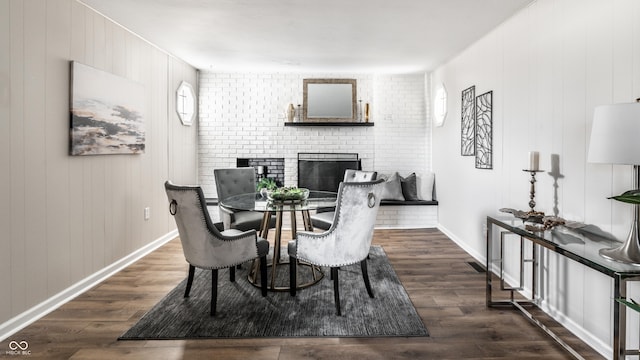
(534, 157)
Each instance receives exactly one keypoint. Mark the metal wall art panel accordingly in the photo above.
(467, 135)
(484, 131)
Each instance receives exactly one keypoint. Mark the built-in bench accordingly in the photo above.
(410, 213)
(407, 214)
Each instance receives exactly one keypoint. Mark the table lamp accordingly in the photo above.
(615, 139)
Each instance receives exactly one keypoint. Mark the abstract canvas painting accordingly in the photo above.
(484, 131)
(106, 113)
(468, 135)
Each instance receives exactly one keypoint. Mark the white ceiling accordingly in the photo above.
(388, 36)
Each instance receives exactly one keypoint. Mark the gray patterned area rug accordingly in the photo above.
(243, 313)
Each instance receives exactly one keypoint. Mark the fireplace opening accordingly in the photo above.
(265, 167)
(325, 171)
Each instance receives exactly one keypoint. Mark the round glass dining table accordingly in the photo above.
(258, 202)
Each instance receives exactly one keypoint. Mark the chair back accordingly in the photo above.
(351, 175)
(349, 238)
(230, 182)
(202, 242)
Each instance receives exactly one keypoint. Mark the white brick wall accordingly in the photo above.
(407, 217)
(242, 115)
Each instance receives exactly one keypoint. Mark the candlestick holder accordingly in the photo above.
(532, 194)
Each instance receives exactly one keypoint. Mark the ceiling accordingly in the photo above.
(364, 36)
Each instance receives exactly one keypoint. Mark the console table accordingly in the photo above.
(577, 243)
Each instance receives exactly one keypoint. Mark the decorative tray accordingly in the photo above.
(541, 222)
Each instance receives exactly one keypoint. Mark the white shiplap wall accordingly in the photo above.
(548, 67)
(242, 115)
(64, 218)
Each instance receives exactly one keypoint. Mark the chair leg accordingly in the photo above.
(192, 270)
(292, 275)
(331, 275)
(365, 276)
(232, 274)
(214, 291)
(263, 275)
(336, 289)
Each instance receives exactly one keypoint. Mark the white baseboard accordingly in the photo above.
(26, 318)
(481, 258)
(597, 344)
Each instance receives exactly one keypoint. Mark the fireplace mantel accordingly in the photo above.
(332, 123)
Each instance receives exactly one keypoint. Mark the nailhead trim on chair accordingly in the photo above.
(208, 224)
(320, 236)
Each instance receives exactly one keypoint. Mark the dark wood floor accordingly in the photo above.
(448, 293)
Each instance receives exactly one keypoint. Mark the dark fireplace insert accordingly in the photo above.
(325, 171)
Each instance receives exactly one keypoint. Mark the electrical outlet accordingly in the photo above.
(147, 213)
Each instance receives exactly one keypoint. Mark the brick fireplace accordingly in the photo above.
(265, 167)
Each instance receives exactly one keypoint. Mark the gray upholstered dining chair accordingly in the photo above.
(323, 218)
(207, 245)
(236, 181)
(348, 240)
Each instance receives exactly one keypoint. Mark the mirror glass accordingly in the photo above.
(327, 100)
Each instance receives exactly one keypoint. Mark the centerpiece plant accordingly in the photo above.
(266, 183)
(288, 194)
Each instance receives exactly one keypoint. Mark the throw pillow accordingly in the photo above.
(425, 187)
(392, 188)
(409, 187)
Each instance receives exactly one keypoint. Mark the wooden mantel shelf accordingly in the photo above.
(334, 123)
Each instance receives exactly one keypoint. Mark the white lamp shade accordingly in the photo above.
(615, 134)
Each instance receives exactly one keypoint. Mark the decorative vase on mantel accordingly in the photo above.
(290, 113)
(366, 112)
(298, 115)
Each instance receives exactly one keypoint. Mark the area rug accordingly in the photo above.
(243, 313)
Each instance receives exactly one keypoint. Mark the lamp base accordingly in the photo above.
(629, 252)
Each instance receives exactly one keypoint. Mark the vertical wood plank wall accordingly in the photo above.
(549, 66)
(63, 218)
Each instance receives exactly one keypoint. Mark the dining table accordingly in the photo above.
(260, 201)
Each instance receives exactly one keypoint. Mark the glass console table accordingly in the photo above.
(579, 243)
(256, 202)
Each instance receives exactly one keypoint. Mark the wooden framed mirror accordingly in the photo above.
(329, 100)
